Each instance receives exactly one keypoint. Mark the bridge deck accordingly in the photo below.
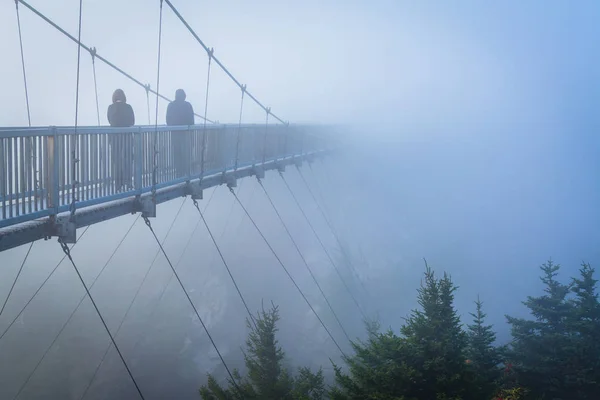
(115, 169)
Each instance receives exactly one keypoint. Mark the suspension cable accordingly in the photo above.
(137, 292)
(16, 278)
(36, 173)
(323, 246)
(40, 287)
(265, 136)
(147, 221)
(155, 151)
(239, 131)
(23, 64)
(164, 289)
(75, 310)
(320, 194)
(225, 264)
(303, 259)
(210, 56)
(104, 60)
(93, 54)
(67, 251)
(287, 272)
(147, 87)
(335, 235)
(219, 63)
(75, 137)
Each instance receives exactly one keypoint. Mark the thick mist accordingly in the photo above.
(468, 137)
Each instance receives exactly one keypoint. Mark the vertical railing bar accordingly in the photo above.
(36, 168)
(3, 177)
(22, 190)
(43, 171)
(10, 177)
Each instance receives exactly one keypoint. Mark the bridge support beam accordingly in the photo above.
(64, 228)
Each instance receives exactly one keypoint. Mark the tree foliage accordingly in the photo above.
(266, 377)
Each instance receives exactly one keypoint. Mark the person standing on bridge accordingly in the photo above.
(181, 112)
(120, 114)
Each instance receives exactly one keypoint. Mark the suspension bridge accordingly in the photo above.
(57, 180)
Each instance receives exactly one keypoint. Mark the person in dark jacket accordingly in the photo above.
(120, 114)
(181, 112)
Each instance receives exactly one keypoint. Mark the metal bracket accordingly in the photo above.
(148, 207)
(259, 171)
(194, 189)
(280, 166)
(297, 162)
(66, 231)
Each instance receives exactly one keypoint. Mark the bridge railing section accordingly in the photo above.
(37, 165)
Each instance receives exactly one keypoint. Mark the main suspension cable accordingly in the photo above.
(67, 251)
(137, 292)
(314, 278)
(219, 63)
(75, 311)
(147, 221)
(335, 235)
(40, 287)
(322, 246)
(104, 60)
(287, 272)
(225, 264)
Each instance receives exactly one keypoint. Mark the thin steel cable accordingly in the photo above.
(93, 54)
(29, 123)
(322, 197)
(16, 278)
(314, 278)
(76, 308)
(75, 150)
(239, 131)
(219, 63)
(147, 221)
(148, 104)
(164, 289)
(23, 64)
(226, 265)
(40, 287)
(210, 54)
(287, 272)
(323, 246)
(67, 251)
(155, 152)
(265, 136)
(335, 235)
(137, 292)
(104, 60)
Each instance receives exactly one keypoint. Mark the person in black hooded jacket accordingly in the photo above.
(181, 112)
(120, 114)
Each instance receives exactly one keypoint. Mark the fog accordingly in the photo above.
(469, 138)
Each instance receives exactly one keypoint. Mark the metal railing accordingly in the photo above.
(36, 164)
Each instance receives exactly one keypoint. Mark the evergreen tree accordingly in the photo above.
(585, 326)
(266, 378)
(483, 358)
(542, 349)
(426, 362)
